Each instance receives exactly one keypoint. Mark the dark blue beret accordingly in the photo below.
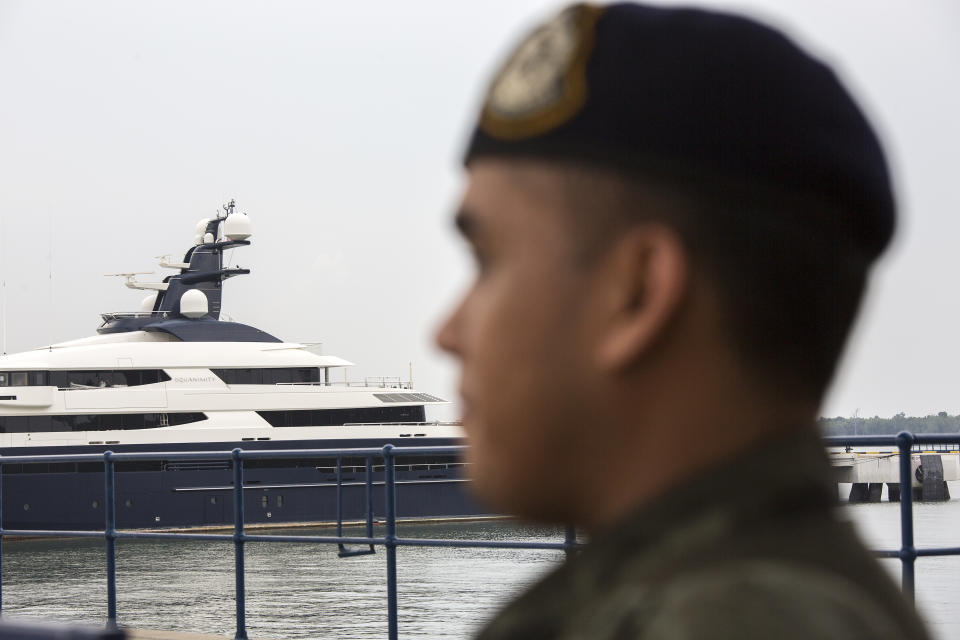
(696, 97)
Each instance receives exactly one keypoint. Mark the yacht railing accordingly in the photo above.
(116, 315)
(391, 541)
(376, 383)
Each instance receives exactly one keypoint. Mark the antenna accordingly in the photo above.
(3, 283)
(50, 278)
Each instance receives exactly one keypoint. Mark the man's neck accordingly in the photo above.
(658, 454)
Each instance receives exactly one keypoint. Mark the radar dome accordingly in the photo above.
(202, 226)
(146, 305)
(237, 227)
(193, 304)
(208, 238)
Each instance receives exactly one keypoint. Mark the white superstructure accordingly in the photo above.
(175, 373)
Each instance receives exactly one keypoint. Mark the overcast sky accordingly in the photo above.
(338, 128)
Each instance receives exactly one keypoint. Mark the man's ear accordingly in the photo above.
(642, 282)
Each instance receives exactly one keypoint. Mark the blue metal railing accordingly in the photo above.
(390, 541)
(907, 553)
(904, 441)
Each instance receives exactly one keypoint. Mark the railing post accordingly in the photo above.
(390, 497)
(570, 541)
(238, 538)
(110, 536)
(369, 497)
(908, 552)
(340, 498)
(1, 535)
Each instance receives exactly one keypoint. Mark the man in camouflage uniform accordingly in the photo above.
(673, 214)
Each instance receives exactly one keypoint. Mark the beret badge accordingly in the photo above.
(543, 84)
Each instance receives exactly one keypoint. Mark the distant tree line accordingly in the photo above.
(939, 423)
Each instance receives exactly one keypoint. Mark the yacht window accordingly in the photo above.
(330, 417)
(18, 379)
(82, 379)
(15, 424)
(84, 423)
(272, 375)
(98, 379)
(279, 376)
(37, 424)
(4, 379)
(110, 421)
(133, 421)
(93, 422)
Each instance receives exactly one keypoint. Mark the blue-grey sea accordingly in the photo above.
(306, 591)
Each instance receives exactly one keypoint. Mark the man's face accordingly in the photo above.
(519, 335)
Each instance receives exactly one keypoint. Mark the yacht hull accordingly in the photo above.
(68, 496)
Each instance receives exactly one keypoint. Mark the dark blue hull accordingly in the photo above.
(196, 494)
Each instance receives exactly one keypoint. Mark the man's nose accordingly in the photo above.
(447, 334)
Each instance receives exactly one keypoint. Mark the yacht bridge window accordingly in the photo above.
(269, 375)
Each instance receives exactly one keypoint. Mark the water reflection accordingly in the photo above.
(293, 590)
(305, 591)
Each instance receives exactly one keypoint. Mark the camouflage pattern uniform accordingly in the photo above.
(749, 550)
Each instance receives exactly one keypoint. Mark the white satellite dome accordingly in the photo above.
(208, 238)
(202, 226)
(237, 226)
(146, 305)
(193, 304)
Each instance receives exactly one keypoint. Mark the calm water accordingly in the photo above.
(305, 591)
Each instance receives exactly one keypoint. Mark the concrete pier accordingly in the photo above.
(867, 472)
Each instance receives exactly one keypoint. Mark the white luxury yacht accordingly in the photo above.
(175, 377)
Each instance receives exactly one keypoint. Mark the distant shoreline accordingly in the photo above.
(940, 422)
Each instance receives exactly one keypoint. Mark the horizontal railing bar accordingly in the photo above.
(832, 441)
(226, 455)
(46, 533)
(314, 539)
(47, 458)
(482, 544)
(890, 440)
(166, 535)
(408, 542)
(942, 551)
(326, 453)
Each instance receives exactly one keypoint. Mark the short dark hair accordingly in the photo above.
(789, 276)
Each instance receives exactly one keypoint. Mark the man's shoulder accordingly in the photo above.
(763, 599)
(745, 599)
